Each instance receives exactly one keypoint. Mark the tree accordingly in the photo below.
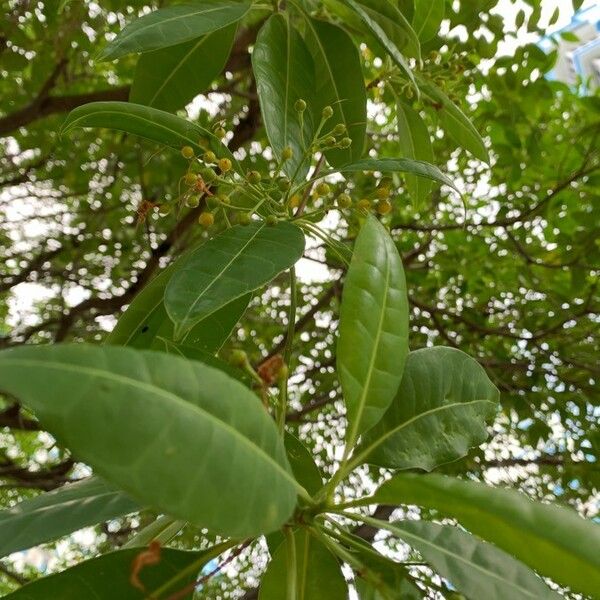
(210, 417)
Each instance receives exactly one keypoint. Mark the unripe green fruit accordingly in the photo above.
(224, 199)
(209, 157)
(284, 184)
(245, 218)
(364, 204)
(224, 165)
(164, 209)
(329, 141)
(287, 153)
(192, 202)
(187, 152)
(220, 133)
(344, 201)
(272, 220)
(323, 189)
(253, 177)
(190, 178)
(327, 112)
(208, 175)
(339, 129)
(383, 193)
(384, 207)
(238, 358)
(345, 142)
(300, 105)
(206, 219)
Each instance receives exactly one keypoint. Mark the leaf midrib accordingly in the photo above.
(401, 533)
(365, 453)
(95, 372)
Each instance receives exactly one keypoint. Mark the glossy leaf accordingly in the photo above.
(227, 267)
(147, 122)
(372, 21)
(475, 568)
(399, 165)
(51, 515)
(174, 25)
(428, 18)
(284, 72)
(373, 330)
(438, 414)
(145, 324)
(456, 123)
(170, 78)
(339, 84)
(306, 472)
(398, 30)
(554, 541)
(414, 143)
(108, 576)
(176, 435)
(318, 573)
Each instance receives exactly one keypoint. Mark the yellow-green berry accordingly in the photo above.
(209, 157)
(364, 204)
(329, 141)
(238, 358)
(192, 202)
(224, 198)
(339, 129)
(383, 192)
(300, 105)
(344, 201)
(253, 177)
(295, 201)
(245, 218)
(384, 207)
(284, 184)
(287, 153)
(345, 142)
(327, 112)
(187, 152)
(208, 175)
(206, 219)
(220, 132)
(272, 220)
(190, 178)
(164, 209)
(224, 165)
(323, 189)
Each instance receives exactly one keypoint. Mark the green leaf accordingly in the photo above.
(172, 77)
(414, 143)
(399, 165)
(108, 576)
(372, 21)
(174, 25)
(475, 568)
(373, 330)
(554, 541)
(428, 17)
(456, 124)
(339, 84)
(176, 435)
(62, 511)
(318, 573)
(228, 266)
(145, 323)
(284, 73)
(150, 123)
(306, 472)
(398, 30)
(439, 412)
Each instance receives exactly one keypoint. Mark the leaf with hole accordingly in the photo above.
(174, 25)
(553, 540)
(228, 266)
(169, 78)
(373, 330)
(438, 414)
(284, 72)
(176, 435)
(51, 515)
